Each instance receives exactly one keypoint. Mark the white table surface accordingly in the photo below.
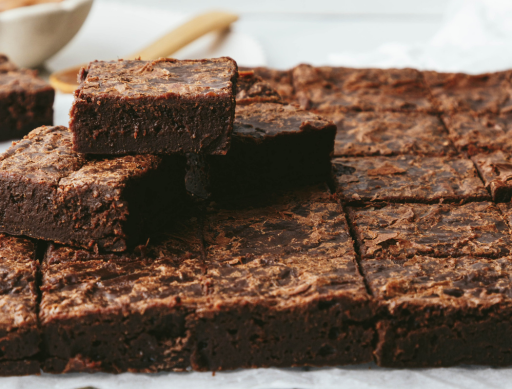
(281, 34)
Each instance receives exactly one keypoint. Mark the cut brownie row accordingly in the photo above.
(26, 101)
(275, 284)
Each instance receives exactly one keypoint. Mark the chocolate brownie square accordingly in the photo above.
(122, 312)
(50, 192)
(19, 329)
(476, 134)
(273, 146)
(489, 92)
(285, 286)
(408, 178)
(496, 171)
(442, 311)
(331, 89)
(402, 231)
(165, 106)
(26, 101)
(389, 133)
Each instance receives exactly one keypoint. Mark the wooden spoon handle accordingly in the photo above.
(187, 33)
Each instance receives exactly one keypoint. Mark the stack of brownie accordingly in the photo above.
(386, 239)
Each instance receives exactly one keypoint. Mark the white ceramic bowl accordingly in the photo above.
(30, 35)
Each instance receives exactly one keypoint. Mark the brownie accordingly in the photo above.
(496, 170)
(165, 106)
(441, 230)
(476, 134)
(19, 330)
(50, 192)
(122, 312)
(284, 286)
(273, 146)
(489, 92)
(442, 311)
(26, 101)
(389, 133)
(279, 80)
(408, 178)
(251, 88)
(333, 89)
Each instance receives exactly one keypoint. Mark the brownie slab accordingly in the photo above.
(389, 133)
(285, 286)
(408, 178)
(122, 312)
(440, 230)
(476, 134)
(163, 106)
(51, 192)
(26, 101)
(273, 145)
(19, 330)
(332, 89)
(442, 311)
(489, 92)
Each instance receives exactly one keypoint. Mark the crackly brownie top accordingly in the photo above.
(164, 273)
(329, 89)
(6, 65)
(463, 282)
(298, 246)
(279, 80)
(489, 92)
(18, 296)
(408, 178)
(21, 81)
(440, 230)
(389, 133)
(261, 120)
(495, 168)
(482, 133)
(251, 88)
(162, 77)
(46, 155)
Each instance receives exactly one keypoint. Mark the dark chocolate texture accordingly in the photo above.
(488, 92)
(442, 311)
(389, 133)
(19, 330)
(26, 101)
(440, 230)
(273, 145)
(496, 171)
(408, 178)
(50, 192)
(251, 88)
(163, 106)
(279, 80)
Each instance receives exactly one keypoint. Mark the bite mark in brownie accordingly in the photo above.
(442, 311)
(440, 230)
(477, 134)
(408, 179)
(26, 101)
(19, 331)
(285, 284)
(50, 192)
(389, 133)
(488, 92)
(163, 106)
(332, 89)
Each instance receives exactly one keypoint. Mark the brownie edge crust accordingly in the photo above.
(165, 106)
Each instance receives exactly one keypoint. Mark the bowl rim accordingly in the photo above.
(41, 9)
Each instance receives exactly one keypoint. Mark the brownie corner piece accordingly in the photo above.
(408, 178)
(442, 311)
(50, 192)
(19, 329)
(165, 106)
(285, 287)
(439, 230)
